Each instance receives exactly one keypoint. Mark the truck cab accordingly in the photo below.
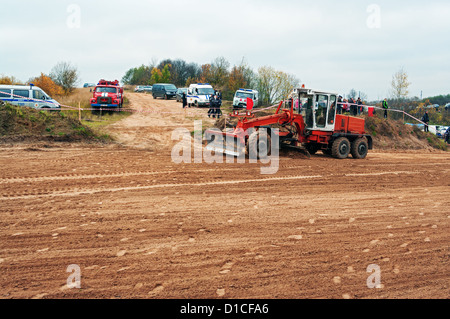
(241, 96)
(323, 125)
(107, 94)
(200, 94)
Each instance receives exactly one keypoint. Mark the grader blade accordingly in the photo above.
(219, 142)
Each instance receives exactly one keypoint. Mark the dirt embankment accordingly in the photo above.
(22, 124)
(394, 135)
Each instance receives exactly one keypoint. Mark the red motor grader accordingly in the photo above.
(312, 126)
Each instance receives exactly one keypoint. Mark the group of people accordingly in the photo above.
(352, 106)
(215, 102)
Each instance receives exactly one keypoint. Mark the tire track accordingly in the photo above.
(90, 191)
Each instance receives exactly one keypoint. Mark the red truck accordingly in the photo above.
(107, 95)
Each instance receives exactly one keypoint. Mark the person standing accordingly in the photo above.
(447, 136)
(339, 105)
(353, 107)
(184, 99)
(346, 107)
(426, 120)
(218, 104)
(385, 107)
(360, 107)
(211, 110)
(214, 107)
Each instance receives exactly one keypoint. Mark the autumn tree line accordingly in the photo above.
(61, 81)
(273, 85)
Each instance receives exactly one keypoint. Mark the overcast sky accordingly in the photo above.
(327, 44)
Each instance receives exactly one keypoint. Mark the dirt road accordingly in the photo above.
(140, 226)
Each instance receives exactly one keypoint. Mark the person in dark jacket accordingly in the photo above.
(426, 120)
(339, 105)
(385, 107)
(353, 106)
(447, 136)
(184, 99)
(217, 105)
(360, 106)
(214, 107)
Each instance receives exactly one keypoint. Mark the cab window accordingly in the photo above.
(321, 110)
(39, 95)
(332, 110)
(308, 112)
(22, 93)
(6, 93)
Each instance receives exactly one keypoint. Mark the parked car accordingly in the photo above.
(447, 107)
(139, 88)
(433, 106)
(31, 96)
(180, 94)
(148, 88)
(164, 90)
(241, 95)
(440, 131)
(200, 94)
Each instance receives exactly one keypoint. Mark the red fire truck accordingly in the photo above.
(107, 95)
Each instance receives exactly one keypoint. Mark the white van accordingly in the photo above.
(30, 96)
(200, 94)
(241, 95)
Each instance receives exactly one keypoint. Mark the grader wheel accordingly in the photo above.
(259, 145)
(341, 148)
(360, 148)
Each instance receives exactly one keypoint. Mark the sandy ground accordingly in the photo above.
(140, 226)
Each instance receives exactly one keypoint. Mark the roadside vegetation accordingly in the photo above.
(60, 85)
(22, 124)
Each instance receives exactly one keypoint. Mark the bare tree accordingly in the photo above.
(274, 85)
(353, 94)
(220, 71)
(65, 75)
(400, 84)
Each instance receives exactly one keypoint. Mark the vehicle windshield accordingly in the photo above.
(40, 95)
(171, 87)
(105, 90)
(206, 91)
(242, 95)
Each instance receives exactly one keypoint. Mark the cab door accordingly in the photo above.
(321, 110)
(331, 117)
